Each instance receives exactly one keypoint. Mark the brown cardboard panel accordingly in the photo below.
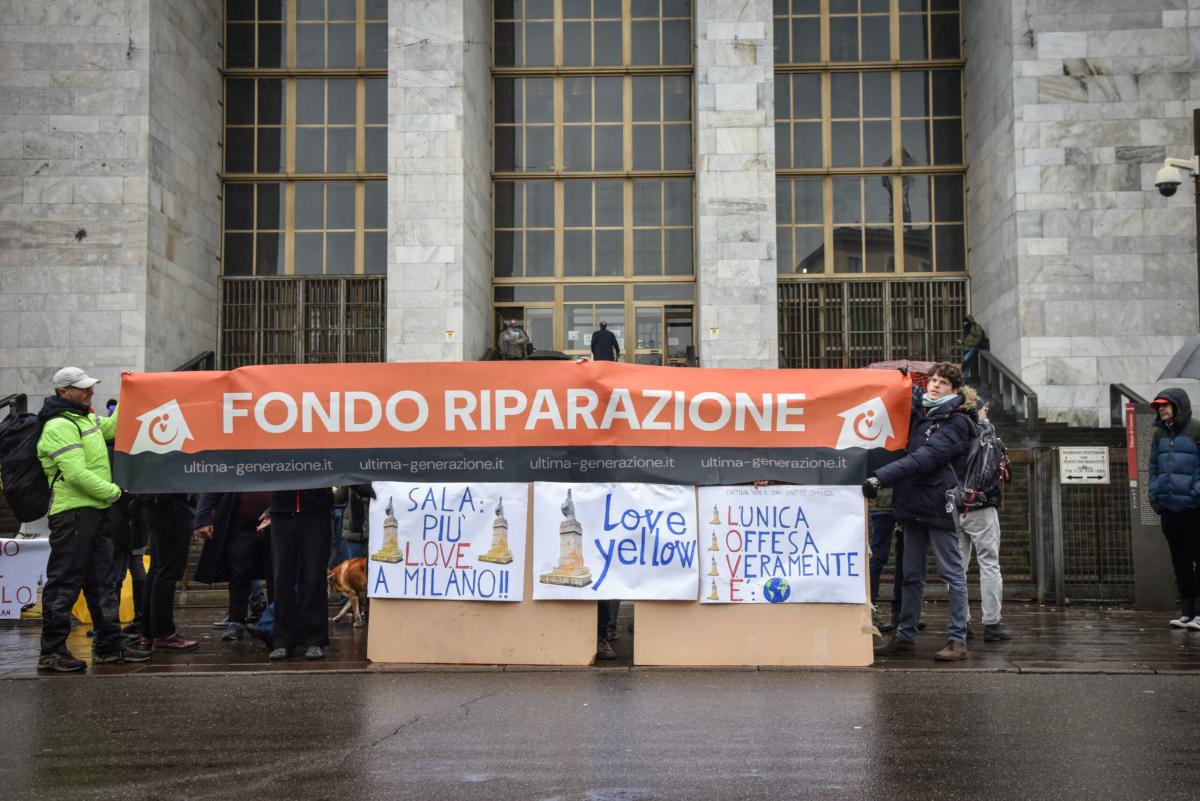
(484, 632)
(793, 635)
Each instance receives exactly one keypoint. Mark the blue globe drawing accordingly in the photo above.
(776, 590)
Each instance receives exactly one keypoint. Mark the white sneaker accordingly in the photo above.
(1194, 624)
(1181, 622)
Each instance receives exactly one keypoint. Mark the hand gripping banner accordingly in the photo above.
(297, 426)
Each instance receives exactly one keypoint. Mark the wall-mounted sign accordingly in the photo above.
(1083, 465)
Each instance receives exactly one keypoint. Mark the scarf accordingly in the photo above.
(929, 403)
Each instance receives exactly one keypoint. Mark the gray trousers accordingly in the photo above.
(918, 539)
(981, 530)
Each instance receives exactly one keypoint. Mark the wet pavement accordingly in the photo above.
(603, 736)
(1080, 639)
(1085, 703)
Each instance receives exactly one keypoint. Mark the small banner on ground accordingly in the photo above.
(296, 426)
(782, 544)
(614, 541)
(22, 574)
(455, 542)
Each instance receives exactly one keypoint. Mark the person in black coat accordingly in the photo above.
(939, 435)
(235, 549)
(301, 524)
(605, 347)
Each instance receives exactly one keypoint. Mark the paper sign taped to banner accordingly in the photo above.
(22, 574)
(454, 542)
(782, 544)
(614, 541)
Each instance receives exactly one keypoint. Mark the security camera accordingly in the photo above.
(1169, 177)
(1167, 180)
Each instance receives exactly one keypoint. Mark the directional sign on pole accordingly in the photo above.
(1083, 465)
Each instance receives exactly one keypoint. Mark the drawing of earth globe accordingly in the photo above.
(776, 590)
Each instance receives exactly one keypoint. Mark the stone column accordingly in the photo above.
(439, 183)
(735, 184)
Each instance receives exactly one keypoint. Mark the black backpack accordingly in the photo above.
(985, 469)
(25, 487)
(26, 490)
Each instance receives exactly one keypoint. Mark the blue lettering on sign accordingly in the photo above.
(646, 544)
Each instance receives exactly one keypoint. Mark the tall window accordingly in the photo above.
(868, 137)
(304, 179)
(593, 166)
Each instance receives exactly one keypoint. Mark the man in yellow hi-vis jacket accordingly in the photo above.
(74, 455)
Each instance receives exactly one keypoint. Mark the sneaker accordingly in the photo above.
(953, 652)
(174, 643)
(280, 653)
(1194, 624)
(133, 628)
(896, 647)
(314, 652)
(995, 632)
(886, 626)
(60, 663)
(130, 653)
(222, 623)
(613, 635)
(604, 650)
(233, 631)
(1181, 622)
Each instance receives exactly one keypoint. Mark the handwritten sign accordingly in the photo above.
(456, 542)
(22, 573)
(605, 541)
(782, 544)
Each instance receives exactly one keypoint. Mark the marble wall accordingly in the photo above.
(439, 183)
(735, 184)
(1106, 286)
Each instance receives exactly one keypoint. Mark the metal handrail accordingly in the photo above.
(203, 361)
(19, 402)
(1013, 394)
(1116, 408)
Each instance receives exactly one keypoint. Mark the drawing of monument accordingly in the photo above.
(712, 595)
(390, 552)
(712, 571)
(716, 521)
(714, 546)
(499, 553)
(570, 571)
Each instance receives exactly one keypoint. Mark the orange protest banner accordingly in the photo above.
(289, 426)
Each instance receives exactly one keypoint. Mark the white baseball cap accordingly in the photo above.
(73, 377)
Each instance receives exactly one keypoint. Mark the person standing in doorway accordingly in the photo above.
(1175, 495)
(605, 347)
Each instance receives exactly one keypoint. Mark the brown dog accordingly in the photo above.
(350, 579)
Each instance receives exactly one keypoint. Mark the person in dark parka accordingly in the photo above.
(301, 524)
(1175, 495)
(938, 438)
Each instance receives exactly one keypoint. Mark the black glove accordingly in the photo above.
(870, 488)
(1156, 507)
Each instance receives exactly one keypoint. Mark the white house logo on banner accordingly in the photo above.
(867, 425)
(782, 544)
(163, 430)
(457, 542)
(603, 541)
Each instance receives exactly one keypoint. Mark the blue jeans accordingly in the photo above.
(883, 524)
(968, 362)
(948, 556)
(267, 621)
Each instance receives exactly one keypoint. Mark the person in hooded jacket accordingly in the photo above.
(973, 340)
(74, 456)
(938, 438)
(1175, 495)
